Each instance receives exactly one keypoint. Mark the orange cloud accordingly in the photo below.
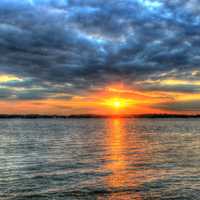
(115, 99)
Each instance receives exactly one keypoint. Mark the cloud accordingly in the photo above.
(189, 106)
(74, 46)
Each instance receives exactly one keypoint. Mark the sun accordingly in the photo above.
(116, 103)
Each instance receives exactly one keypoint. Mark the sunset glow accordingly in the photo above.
(113, 99)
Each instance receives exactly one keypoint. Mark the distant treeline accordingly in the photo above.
(36, 116)
(136, 116)
(31, 116)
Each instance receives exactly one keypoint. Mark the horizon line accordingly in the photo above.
(149, 115)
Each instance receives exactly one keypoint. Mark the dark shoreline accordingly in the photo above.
(35, 116)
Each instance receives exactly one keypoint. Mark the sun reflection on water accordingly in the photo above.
(119, 148)
(116, 149)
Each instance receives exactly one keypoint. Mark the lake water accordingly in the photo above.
(68, 159)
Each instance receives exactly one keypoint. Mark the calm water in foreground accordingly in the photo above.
(67, 159)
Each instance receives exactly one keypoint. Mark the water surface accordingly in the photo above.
(69, 159)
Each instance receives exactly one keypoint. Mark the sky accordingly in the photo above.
(81, 56)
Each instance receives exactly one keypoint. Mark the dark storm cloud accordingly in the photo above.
(5, 93)
(71, 46)
(176, 88)
(190, 106)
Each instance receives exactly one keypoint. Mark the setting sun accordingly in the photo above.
(117, 103)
